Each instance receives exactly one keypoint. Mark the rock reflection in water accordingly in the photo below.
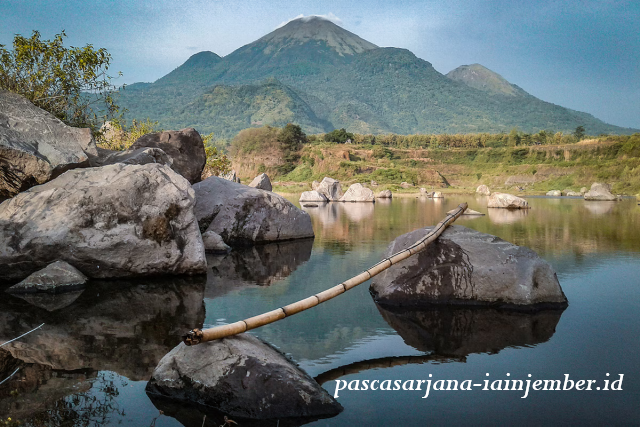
(357, 211)
(506, 216)
(325, 213)
(599, 207)
(458, 332)
(194, 415)
(257, 266)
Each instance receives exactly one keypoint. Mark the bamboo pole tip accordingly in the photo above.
(193, 337)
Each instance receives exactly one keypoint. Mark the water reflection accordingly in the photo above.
(257, 266)
(599, 207)
(507, 216)
(201, 415)
(458, 332)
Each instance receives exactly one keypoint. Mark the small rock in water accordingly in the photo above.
(600, 192)
(358, 193)
(385, 194)
(313, 196)
(241, 376)
(214, 244)
(309, 205)
(507, 201)
(483, 190)
(57, 277)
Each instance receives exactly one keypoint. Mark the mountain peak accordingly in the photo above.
(316, 28)
(480, 77)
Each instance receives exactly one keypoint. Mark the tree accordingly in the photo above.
(71, 83)
(339, 136)
(291, 138)
(579, 133)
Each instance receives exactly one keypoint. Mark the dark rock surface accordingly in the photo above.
(464, 266)
(35, 146)
(184, 146)
(115, 221)
(241, 376)
(140, 156)
(244, 216)
(460, 331)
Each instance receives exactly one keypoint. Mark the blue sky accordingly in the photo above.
(580, 54)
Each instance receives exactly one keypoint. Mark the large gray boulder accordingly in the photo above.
(554, 193)
(331, 189)
(244, 216)
(241, 376)
(57, 277)
(35, 146)
(115, 221)
(312, 196)
(261, 182)
(184, 146)
(599, 192)
(358, 193)
(507, 201)
(483, 190)
(464, 266)
(140, 156)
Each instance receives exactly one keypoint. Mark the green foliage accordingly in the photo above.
(382, 153)
(116, 135)
(71, 83)
(339, 136)
(217, 163)
(579, 132)
(255, 139)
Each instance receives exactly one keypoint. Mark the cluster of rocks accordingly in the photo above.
(136, 213)
(330, 190)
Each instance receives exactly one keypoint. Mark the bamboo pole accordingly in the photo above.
(196, 336)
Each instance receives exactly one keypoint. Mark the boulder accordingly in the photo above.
(483, 190)
(330, 188)
(241, 376)
(437, 195)
(36, 147)
(261, 182)
(566, 191)
(466, 267)
(114, 221)
(507, 201)
(385, 194)
(599, 191)
(583, 190)
(312, 196)
(405, 185)
(554, 193)
(141, 156)
(358, 193)
(424, 192)
(184, 146)
(214, 244)
(573, 194)
(244, 216)
(315, 185)
(57, 277)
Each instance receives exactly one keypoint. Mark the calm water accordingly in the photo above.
(91, 359)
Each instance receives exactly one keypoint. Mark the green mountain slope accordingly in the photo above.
(330, 78)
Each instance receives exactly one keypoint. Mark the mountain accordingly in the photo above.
(482, 78)
(316, 74)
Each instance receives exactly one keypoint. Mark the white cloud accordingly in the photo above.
(329, 17)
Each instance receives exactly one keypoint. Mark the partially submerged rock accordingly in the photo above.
(554, 193)
(573, 194)
(483, 190)
(507, 201)
(405, 185)
(313, 196)
(261, 182)
(244, 216)
(600, 192)
(241, 376)
(464, 266)
(385, 194)
(184, 146)
(330, 188)
(57, 277)
(35, 146)
(214, 244)
(114, 221)
(358, 193)
(437, 195)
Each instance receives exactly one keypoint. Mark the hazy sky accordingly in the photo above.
(581, 54)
